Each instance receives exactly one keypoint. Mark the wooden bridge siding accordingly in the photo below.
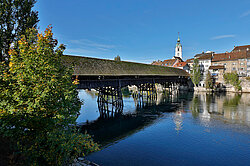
(123, 82)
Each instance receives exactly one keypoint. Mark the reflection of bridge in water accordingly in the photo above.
(112, 126)
(108, 77)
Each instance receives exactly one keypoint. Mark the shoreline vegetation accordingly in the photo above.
(40, 104)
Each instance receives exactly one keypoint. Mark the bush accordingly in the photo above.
(233, 79)
(39, 104)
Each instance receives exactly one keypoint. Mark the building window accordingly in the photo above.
(234, 69)
(234, 63)
(241, 63)
(225, 64)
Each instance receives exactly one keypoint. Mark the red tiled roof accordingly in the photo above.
(229, 56)
(178, 58)
(202, 54)
(205, 56)
(190, 60)
(242, 48)
(180, 64)
(217, 67)
(169, 61)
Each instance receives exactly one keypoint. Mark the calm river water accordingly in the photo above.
(183, 129)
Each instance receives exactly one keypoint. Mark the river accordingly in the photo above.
(182, 129)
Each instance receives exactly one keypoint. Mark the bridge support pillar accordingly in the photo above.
(145, 95)
(110, 102)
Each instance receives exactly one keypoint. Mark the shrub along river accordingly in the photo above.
(182, 129)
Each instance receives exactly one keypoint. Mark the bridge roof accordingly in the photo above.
(87, 66)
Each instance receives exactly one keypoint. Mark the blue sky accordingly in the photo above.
(146, 30)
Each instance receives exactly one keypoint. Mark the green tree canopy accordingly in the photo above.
(15, 17)
(196, 73)
(117, 58)
(209, 81)
(39, 103)
(233, 79)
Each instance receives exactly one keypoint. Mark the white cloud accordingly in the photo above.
(222, 37)
(91, 44)
(247, 13)
(80, 51)
(87, 47)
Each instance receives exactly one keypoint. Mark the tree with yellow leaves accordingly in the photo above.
(39, 103)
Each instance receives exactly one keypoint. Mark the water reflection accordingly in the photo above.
(215, 126)
(111, 126)
(232, 107)
(178, 120)
(114, 123)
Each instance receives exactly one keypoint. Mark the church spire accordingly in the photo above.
(178, 48)
(178, 40)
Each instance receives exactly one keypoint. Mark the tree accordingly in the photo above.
(196, 73)
(209, 81)
(15, 17)
(117, 58)
(233, 79)
(39, 103)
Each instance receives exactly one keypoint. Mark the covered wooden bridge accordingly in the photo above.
(109, 76)
(94, 73)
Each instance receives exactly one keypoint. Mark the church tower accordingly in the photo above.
(178, 48)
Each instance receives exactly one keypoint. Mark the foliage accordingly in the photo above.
(194, 107)
(117, 58)
(232, 102)
(248, 78)
(209, 81)
(196, 73)
(233, 79)
(15, 17)
(39, 103)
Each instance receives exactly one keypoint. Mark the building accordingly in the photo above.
(168, 62)
(176, 61)
(232, 61)
(241, 48)
(205, 61)
(248, 63)
(178, 48)
(217, 73)
(183, 65)
(190, 63)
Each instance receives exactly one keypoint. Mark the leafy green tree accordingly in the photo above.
(196, 73)
(39, 103)
(117, 58)
(15, 17)
(233, 79)
(209, 81)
